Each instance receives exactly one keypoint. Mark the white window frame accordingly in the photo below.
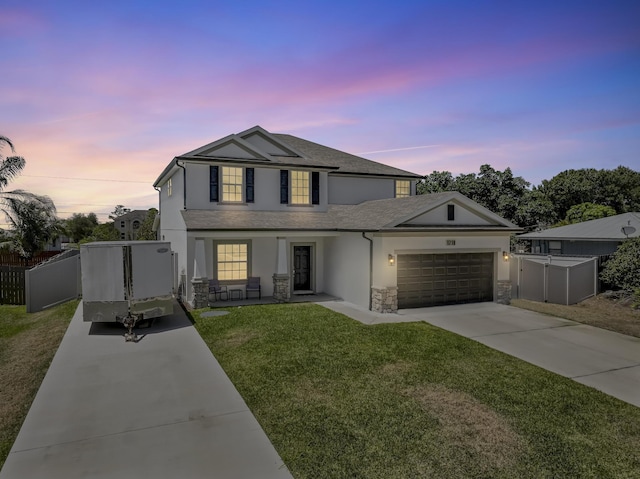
(169, 188)
(225, 192)
(224, 279)
(296, 193)
(402, 188)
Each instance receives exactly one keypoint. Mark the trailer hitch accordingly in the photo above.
(129, 322)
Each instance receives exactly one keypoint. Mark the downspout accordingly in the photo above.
(184, 184)
(370, 266)
(156, 221)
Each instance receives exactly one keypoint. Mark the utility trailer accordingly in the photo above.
(126, 281)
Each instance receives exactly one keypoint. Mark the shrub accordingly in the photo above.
(623, 269)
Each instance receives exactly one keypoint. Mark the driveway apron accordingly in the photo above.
(161, 408)
(604, 360)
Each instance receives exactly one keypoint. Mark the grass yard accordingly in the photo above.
(598, 311)
(341, 399)
(28, 343)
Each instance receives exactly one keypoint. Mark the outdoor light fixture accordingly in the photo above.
(392, 260)
(505, 255)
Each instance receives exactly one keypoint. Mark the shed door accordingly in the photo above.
(440, 279)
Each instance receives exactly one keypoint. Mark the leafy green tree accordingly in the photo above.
(436, 182)
(119, 210)
(79, 226)
(499, 191)
(146, 228)
(33, 217)
(103, 232)
(586, 212)
(33, 224)
(623, 269)
(618, 188)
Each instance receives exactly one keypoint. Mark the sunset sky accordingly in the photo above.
(100, 96)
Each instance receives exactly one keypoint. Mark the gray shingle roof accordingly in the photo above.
(609, 228)
(307, 154)
(345, 162)
(378, 215)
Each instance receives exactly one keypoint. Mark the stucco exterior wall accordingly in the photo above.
(438, 216)
(347, 268)
(350, 190)
(385, 275)
(266, 190)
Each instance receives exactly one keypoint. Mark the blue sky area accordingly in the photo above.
(96, 93)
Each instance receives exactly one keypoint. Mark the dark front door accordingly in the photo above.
(302, 268)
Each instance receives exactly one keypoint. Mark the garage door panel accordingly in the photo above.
(439, 279)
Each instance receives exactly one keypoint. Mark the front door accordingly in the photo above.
(302, 268)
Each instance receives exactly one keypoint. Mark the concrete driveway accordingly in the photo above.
(159, 408)
(607, 361)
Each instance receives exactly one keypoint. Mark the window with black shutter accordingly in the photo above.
(213, 184)
(315, 188)
(284, 187)
(249, 189)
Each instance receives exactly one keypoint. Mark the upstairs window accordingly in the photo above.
(300, 188)
(232, 184)
(169, 188)
(403, 188)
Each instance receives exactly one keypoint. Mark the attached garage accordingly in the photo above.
(441, 279)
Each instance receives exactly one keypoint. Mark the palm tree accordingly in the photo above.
(33, 217)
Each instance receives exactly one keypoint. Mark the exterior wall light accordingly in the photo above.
(505, 255)
(392, 260)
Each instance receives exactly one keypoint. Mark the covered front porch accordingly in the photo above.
(297, 298)
(287, 265)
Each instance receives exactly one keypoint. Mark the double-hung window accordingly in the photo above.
(403, 188)
(300, 188)
(232, 260)
(231, 184)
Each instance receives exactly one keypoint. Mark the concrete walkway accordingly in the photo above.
(607, 361)
(159, 408)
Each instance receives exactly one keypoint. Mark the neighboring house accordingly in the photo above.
(595, 237)
(129, 223)
(306, 218)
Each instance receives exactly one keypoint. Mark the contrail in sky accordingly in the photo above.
(397, 149)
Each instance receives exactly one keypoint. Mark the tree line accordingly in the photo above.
(571, 196)
(33, 218)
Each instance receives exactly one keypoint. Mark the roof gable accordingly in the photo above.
(231, 147)
(435, 213)
(265, 141)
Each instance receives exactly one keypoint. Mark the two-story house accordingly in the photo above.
(306, 218)
(129, 223)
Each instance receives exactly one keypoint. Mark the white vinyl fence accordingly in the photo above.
(53, 282)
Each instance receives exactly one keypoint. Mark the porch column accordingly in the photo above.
(200, 281)
(281, 291)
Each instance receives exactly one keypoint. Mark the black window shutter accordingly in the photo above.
(248, 179)
(213, 184)
(315, 187)
(284, 187)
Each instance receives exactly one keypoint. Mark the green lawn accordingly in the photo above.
(341, 399)
(28, 343)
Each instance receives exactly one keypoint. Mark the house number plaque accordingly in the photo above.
(451, 242)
